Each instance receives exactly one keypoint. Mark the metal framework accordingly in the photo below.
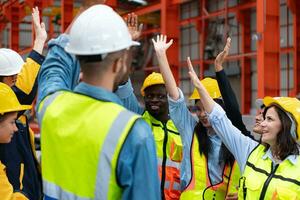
(267, 52)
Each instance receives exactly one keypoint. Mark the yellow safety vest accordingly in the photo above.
(200, 186)
(81, 141)
(262, 180)
(169, 154)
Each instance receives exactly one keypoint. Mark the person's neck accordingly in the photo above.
(106, 83)
(274, 152)
(210, 131)
(162, 118)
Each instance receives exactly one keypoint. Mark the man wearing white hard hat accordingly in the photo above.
(92, 147)
(22, 168)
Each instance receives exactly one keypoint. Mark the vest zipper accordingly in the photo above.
(266, 184)
(163, 167)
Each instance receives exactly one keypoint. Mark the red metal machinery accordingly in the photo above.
(294, 5)
(267, 31)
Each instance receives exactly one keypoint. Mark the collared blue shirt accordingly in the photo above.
(137, 162)
(185, 123)
(238, 144)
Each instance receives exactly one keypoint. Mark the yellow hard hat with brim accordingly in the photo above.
(212, 87)
(9, 101)
(289, 105)
(153, 79)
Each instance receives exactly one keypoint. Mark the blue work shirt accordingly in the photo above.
(126, 94)
(137, 164)
(185, 123)
(238, 144)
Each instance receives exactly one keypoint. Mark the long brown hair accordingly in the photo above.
(285, 144)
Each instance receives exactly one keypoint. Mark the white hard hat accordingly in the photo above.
(99, 30)
(10, 62)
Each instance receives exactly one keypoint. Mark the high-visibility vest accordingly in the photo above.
(81, 141)
(263, 180)
(200, 186)
(169, 154)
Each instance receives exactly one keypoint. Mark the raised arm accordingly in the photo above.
(206, 100)
(26, 84)
(161, 46)
(228, 95)
(238, 144)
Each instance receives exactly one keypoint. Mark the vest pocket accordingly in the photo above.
(248, 187)
(282, 193)
(176, 150)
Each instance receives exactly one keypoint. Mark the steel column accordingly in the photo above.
(294, 5)
(169, 24)
(66, 14)
(268, 65)
(245, 21)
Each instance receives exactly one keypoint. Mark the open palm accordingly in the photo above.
(222, 56)
(161, 45)
(193, 76)
(39, 28)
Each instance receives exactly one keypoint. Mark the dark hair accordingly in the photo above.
(90, 58)
(3, 117)
(1, 79)
(205, 144)
(285, 143)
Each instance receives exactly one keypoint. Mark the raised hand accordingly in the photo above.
(161, 45)
(222, 56)
(135, 30)
(193, 76)
(39, 28)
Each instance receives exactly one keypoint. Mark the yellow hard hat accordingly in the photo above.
(212, 87)
(9, 101)
(153, 79)
(289, 105)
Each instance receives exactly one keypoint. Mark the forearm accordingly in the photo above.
(207, 101)
(39, 45)
(127, 96)
(167, 75)
(230, 100)
(27, 77)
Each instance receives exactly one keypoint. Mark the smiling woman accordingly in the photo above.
(271, 170)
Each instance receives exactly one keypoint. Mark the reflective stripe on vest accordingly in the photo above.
(43, 106)
(262, 180)
(169, 148)
(199, 186)
(82, 164)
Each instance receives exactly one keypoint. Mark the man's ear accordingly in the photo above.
(118, 65)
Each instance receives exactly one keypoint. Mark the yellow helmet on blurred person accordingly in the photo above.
(152, 79)
(212, 87)
(9, 101)
(289, 105)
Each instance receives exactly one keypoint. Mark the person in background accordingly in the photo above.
(9, 108)
(22, 167)
(156, 114)
(208, 168)
(114, 148)
(166, 136)
(271, 170)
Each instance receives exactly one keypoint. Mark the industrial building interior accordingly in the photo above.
(265, 36)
